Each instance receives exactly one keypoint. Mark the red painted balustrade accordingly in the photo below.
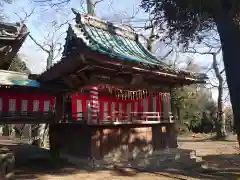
(25, 108)
(25, 102)
(118, 110)
(110, 109)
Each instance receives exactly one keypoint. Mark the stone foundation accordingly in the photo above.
(111, 143)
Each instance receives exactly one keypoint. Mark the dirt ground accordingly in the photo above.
(221, 156)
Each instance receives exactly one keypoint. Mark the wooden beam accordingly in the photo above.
(69, 82)
(75, 79)
(136, 79)
(84, 77)
(99, 69)
(104, 60)
(121, 85)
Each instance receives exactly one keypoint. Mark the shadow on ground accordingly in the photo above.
(213, 167)
(231, 138)
(32, 162)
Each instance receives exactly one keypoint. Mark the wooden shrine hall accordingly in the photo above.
(122, 90)
(111, 95)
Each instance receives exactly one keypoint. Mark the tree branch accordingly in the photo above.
(27, 15)
(96, 2)
(51, 3)
(222, 71)
(38, 44)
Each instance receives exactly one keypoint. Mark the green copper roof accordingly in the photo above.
(114, 41)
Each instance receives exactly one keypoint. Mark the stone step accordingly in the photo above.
(156, 160)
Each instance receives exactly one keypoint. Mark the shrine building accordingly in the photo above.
(107, 96)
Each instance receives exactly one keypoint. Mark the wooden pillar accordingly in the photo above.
(150, 100)
(166, 104)
(159, 138)
(172, 131)
(54, 133)
(59, 108)
(172, 136)
(165, 135)
(53, 141)
(171, 106)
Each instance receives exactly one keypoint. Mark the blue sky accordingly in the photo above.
(39, 26)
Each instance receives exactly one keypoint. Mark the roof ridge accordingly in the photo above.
(105, 25)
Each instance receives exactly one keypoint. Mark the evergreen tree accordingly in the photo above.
(192, 20)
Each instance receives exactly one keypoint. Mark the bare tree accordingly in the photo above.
(214, 51)
(52, 47)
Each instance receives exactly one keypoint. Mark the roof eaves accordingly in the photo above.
(86, 39)
(12, 30)
(85, 19)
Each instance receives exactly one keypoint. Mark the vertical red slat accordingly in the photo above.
(84, 99)
(117, 109)
(52, 102)
(124, 110)
(18, 103)
(74, 106)
(149, 105)
(5, 103)
(160, 102)
(30, 105)
(114, 110)
(87, 99)
(41, 104)
(101, 108)
(110, 101)
(140, 108)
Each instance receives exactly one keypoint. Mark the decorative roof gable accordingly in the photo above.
(11, 38)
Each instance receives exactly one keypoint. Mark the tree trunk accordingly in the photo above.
(229, 33)
(35, 135)
(179, 115)
(91, 7)
(50, 57)
(221, 125)
(43, 134)
(220, 122)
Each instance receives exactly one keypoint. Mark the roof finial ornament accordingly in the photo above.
(75, 11)
(78, 16)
